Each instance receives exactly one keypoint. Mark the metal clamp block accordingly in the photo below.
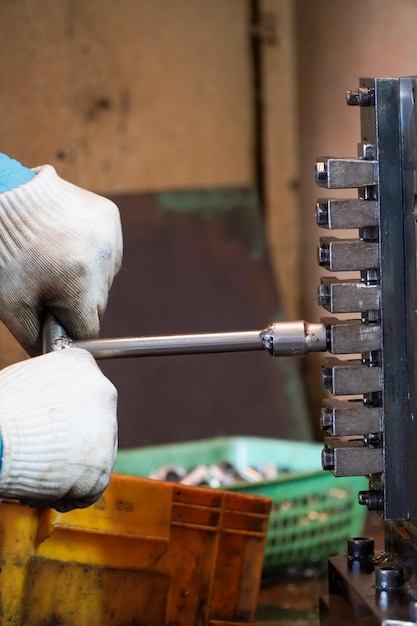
(353, 461)
(350, 417)
(347, 378)
(348, 296)
(345, 255)
(351, 336)
(345, 173)
(345, 214)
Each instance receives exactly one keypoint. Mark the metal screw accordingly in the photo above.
(373, 500)
(323, 296)
(320, 172)
(371, 317)
(322, 214)
(326, 419)
(363, 97)
(360, 547)
(323, 255)
(367, 150)
(327, 378)
(389, 578)
(327, 459)
(373, 398)
(352, 98)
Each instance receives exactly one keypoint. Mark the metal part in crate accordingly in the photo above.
(313, 513)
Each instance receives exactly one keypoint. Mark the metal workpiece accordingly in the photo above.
(346, 214)
(351, 377)
(345, 173)
(348, 296)
(352, 336)
(364, 97)
(279, 339)
(345, 255)
(343, 418)
(352, 460)
(367, 150)
(294, 338)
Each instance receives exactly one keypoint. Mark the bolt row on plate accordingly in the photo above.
(351, 416)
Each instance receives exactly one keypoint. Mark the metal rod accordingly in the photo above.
(172, 345)
(279, 339)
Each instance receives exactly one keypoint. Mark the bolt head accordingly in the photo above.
(360, 547)
(352, 98)
(320, 173)
(389, 578)
(327, 459)
(323, 296)
(323, 255)
(322, 214)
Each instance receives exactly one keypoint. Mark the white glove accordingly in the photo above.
(60, 248)
(58, 426)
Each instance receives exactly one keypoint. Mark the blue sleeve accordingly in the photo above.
(13, 173)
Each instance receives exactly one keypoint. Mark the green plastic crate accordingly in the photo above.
(313, 513)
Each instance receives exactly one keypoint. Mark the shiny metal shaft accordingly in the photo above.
(172, 345)
(279, 339)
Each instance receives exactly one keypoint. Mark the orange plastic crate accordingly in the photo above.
(148, 552)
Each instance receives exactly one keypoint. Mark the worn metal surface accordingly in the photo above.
(340, 214)
(345, 296)
(353, 461)
(350, 417)
(352, 336)
(345, 173)
(344, 255)
(350, 377)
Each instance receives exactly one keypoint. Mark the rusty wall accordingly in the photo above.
(127, 95)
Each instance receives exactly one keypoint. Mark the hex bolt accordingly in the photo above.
(323, 296)
(352, 98)
(367, 150)
(389, 578)
(323, 255)
(366, 97)
(320, 172)
(322, 214)
(373, 500)
(363, 97)
(327, 378)
(326, 419)
(327, 459)
(360, 547)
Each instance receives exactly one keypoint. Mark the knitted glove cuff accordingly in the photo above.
(29, 209)
(34, 450)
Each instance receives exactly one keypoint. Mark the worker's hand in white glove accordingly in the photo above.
(58, 426)
(60, 248)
